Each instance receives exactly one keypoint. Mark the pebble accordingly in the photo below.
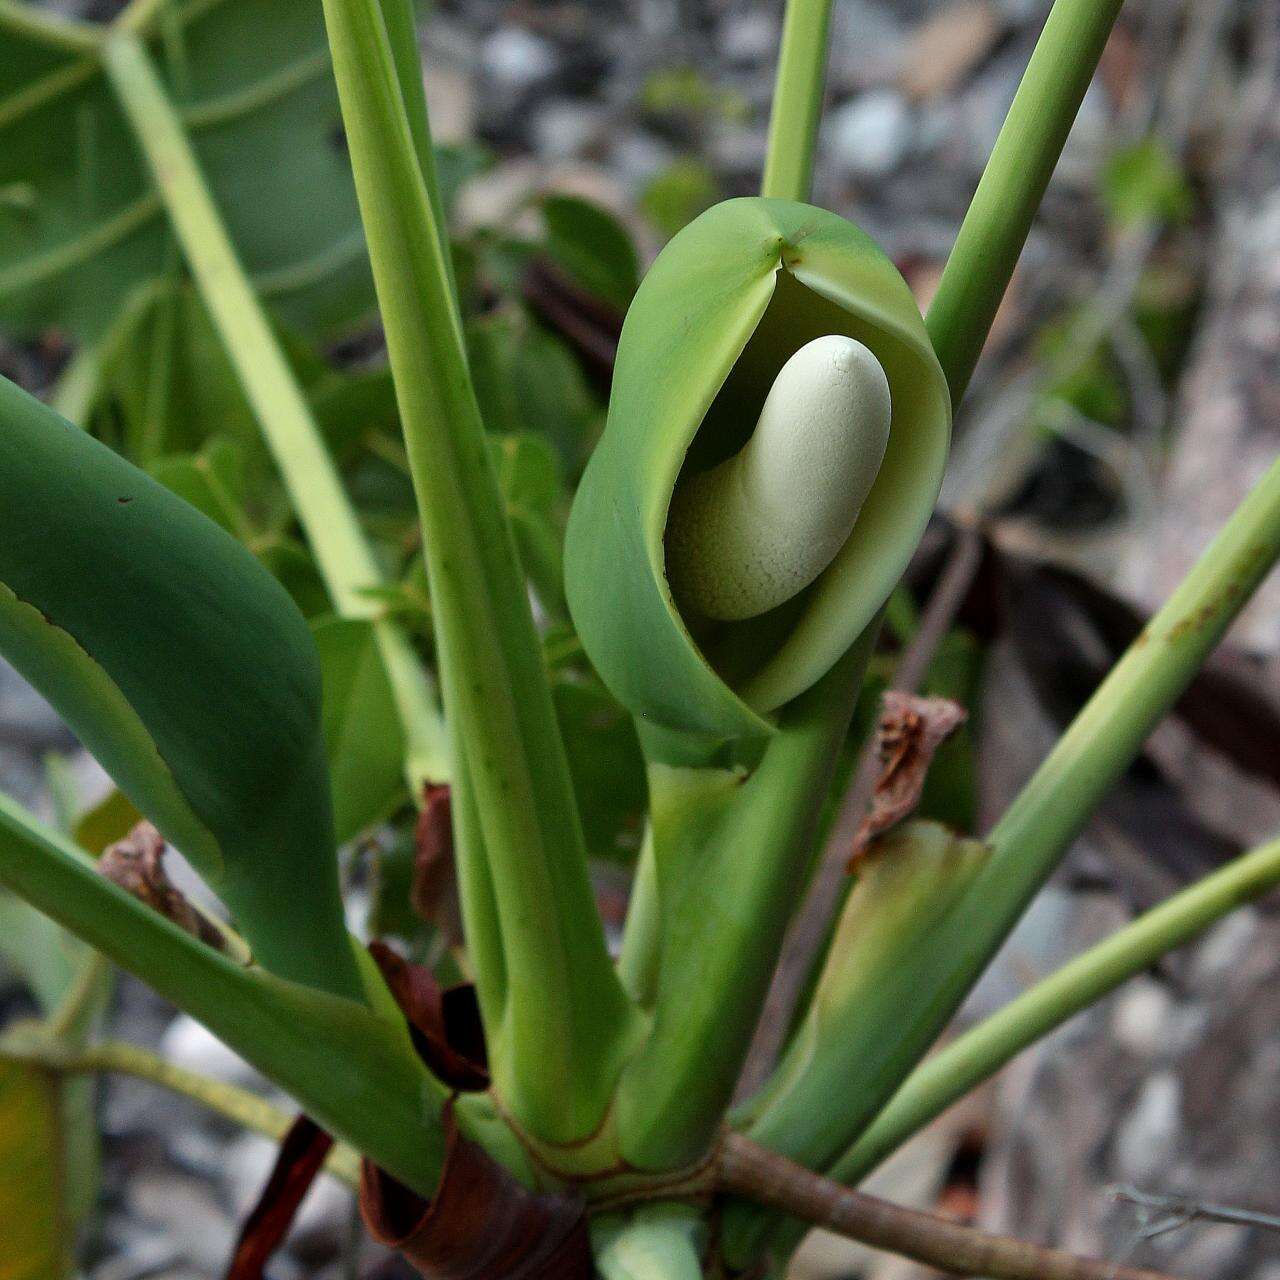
(870, 136)
(1140, 1014)
(1148, 1136)
(516, 59)
(186, 1212)
(189, 1044)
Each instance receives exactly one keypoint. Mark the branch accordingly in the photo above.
(774, 1181)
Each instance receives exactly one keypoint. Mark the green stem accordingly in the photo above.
(566, 1023)
(1027, 843)
(51, 28)
(642, 933)
(342, 552)
(237, 1105)
(983, 1050)
(797, 100)
(379, 1101)
(83, 1001)
(726, 898)
(1013, 183)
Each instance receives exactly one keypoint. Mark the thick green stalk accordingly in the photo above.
(984, 1049)
(333, 530)
(379, 1101)
(725, 904)
(797, 100)
(566, 1023)
(1027, 843)
(1013, 183)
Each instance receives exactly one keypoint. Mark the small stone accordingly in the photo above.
(1140, 1015)
(1147, 1139)
(517, 59)
(186, 1211)
(567, 128)
(188, 1044)
(1225, 946)
(450, 101)
(870, 136)
(750, 39)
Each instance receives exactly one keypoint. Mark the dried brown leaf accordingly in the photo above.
(302, 1155)
(433, 893)
(136, 864)
(481, 1224)
(443, 1021)
(910, 731)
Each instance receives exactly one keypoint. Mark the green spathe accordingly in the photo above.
(726, 304)
(187, 670)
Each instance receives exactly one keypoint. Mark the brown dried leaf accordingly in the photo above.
(444, 1022)
(911, 729)
(136, 864)
(944, 49)
(302, 1155)
(433, 893)
(481, 1224)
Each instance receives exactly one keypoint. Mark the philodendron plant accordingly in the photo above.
(776, 437)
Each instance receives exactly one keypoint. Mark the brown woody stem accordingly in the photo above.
(770, 1179)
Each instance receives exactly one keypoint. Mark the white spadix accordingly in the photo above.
(751, 533)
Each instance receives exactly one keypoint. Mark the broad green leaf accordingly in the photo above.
(253, 82)
(111, 819)
(677, 195)
(593, 247)
(184, 667)
(212, 481)
(362, 732)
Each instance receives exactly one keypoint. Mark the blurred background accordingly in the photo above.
(1128, 398)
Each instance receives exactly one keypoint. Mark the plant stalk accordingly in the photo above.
(566, 1023)
(248, 1110)
(956, 1069)
(1013, 183)
(381, 1101)
(333, 530)
(797, 100)
(770, 1179)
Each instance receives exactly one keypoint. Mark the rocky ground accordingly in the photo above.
(657, 106)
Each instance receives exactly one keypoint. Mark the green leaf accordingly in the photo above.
(38, 1235)
(253, 82)
(527, 381)
(1145, 182)
(593, 247)
(361, 729)
(212, 481)
(677, 195)
(185, 668)
(529, 476)
(607, 767)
